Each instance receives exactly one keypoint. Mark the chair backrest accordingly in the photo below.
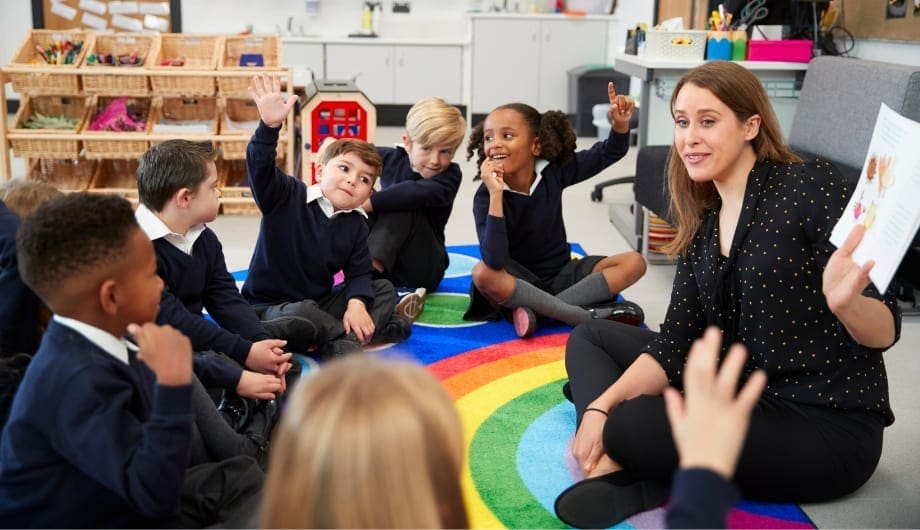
(839, 104)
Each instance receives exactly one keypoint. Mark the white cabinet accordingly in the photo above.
(523, 60)
(306, 59)
(401, 74)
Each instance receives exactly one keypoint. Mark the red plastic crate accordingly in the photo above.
(795, 51)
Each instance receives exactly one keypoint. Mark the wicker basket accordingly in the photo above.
(27, 56)
(103, 144)
(115, 80)
(202, 112)
(236, 115)
(235, 195)
(64, 174)
(51, 145)
(118, 177)
(233, 59)
(198, 52)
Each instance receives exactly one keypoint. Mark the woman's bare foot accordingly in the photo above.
(604, 465)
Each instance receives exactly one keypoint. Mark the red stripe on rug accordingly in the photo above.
(456, 364)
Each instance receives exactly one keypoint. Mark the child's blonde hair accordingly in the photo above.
(367, 443)
(342, 146)
(432, 121)
(24, 196)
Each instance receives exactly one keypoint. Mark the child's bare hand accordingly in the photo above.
(493, 175)
(166, 351)
(265, 90)
(710, 422)
(258, 386)
(266, 355)
(358, 321)
(621, 109)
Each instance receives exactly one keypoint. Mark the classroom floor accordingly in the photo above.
(889, 500)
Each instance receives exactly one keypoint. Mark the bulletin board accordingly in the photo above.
(883, 19)
(117, 15)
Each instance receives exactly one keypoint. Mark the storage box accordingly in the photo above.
(117, 177)
(196, 52)
(684, 45)
(58, 82)
(235, 194)
(247, 54)
(117, 144)
(120, 80)
(51, 145)
(796, 51)
(64, 174)
(187, 117)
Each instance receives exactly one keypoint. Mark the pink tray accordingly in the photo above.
(796, 51)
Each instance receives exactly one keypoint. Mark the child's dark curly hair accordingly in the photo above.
(557, 137)
(70, 235)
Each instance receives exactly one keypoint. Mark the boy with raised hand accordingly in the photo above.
(96, 422)
(308, 234)
(419, 183)
(177, 187)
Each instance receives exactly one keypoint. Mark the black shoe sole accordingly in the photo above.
(604, 501)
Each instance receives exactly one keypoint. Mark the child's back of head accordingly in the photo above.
(388, 427)
(24, 196)
(432, 121)
(170, 166)
(70, 236)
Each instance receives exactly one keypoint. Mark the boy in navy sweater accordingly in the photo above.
(177, 187)
(96, 423)
(19, 306)
(418, 186)
(308, 234)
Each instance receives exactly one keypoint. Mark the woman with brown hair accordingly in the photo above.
(754, 259)
(367, 443)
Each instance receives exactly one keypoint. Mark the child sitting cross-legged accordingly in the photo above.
(310, 233)
(101, 429)
(177, 187)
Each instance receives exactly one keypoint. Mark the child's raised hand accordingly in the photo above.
(265, 90)
(492, 175)
(621, 109)
(710, 422)
(166, 351)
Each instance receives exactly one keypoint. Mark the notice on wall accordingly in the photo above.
(120, 15)
(886, 198)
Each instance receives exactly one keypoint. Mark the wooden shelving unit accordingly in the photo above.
(236, 200)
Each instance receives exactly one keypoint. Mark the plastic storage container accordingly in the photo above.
(796, 51)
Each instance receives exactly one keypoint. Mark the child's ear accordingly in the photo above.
(108, 297)
(319, 172)
(536, 148)
(183, 197)
(407, 142)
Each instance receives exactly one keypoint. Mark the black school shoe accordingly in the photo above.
(259, 431)
(301, 334)
(397, 329)
(604, 501)
(340, 347)
(624, 311)
(236, 409)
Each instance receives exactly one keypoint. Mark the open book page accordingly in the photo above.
(887, 197)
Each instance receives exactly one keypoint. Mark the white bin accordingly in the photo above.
(601, 121)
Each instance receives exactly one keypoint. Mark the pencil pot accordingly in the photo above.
(719, 46)
(739, 45)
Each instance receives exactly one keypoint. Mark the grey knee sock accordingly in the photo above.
(590, 290)
(543, 303)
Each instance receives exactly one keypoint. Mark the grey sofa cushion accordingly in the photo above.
(839, 103)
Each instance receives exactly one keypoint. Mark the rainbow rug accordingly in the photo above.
(517, 424)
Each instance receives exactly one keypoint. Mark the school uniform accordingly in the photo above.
(92, 440)
(302, 244)
(529, 240)
(409, 216)
(196, 277)
(19, 306)
(700, 498)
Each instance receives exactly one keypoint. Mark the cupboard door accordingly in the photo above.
(304, 58)
(423, 71)
(566, 44)
(505, 63)
(371, 66)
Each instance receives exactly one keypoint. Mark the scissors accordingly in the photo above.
(752, 12)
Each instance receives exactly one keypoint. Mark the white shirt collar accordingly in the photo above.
(155, 229)
(538, 168)
(111, 344)
(315, 193)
